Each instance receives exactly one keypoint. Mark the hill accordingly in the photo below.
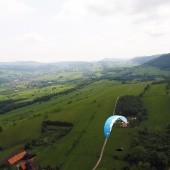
(144, 59)
(83, 95)
(162, 62)
(29, 66)
(158, 67)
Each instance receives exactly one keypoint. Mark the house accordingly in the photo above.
(22, 160)
(28, 165)
(16, 158)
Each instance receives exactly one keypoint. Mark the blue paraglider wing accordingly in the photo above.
(109, 123)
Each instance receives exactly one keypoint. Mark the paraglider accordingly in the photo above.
(109, 123)
(107, 130)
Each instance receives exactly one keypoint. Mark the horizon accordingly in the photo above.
(62, 61)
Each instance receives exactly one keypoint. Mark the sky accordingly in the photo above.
(83, 30)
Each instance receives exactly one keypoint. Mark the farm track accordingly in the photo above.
(105, 142)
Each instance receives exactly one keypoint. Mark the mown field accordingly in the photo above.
(87, 108)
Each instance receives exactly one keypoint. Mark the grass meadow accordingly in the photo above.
(87, 108)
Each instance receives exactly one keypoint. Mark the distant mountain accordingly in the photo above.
(162, 62)
(144, 59)
(21, 63)
(115, 61)
(22, 66)
(37, 66)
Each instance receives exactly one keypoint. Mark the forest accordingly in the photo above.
(149, 150)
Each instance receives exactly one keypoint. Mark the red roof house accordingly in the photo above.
(16, 158)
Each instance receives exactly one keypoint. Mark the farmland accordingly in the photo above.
(87, 108)
(85, 102)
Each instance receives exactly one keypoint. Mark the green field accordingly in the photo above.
(87, 108)
(158, 105)
(30, 94)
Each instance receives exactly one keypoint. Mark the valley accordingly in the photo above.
(84, 98)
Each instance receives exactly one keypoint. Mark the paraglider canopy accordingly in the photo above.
(109, 123)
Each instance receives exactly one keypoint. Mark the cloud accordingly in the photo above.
(15, 7)
(85, 29)
(140, 6)
(30, 38)
(153, 17)
(136, 12)
(72, 10)
(102, 7)
(158, 31)
(132, 7)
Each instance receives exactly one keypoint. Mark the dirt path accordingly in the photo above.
(115, 105)
(101, 154)
(104, 144)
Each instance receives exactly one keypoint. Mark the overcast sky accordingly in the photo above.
(60, 30)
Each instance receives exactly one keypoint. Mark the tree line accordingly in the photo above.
(9, 105)
(132, 106)
(46, 124)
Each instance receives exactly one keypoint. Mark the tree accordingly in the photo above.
(1, 130)
(137, 154)
(27, 146)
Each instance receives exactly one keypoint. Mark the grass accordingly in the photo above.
(30, 94)
(87, 108)
(158, 104)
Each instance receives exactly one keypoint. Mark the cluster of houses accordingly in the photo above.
(21, 160)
